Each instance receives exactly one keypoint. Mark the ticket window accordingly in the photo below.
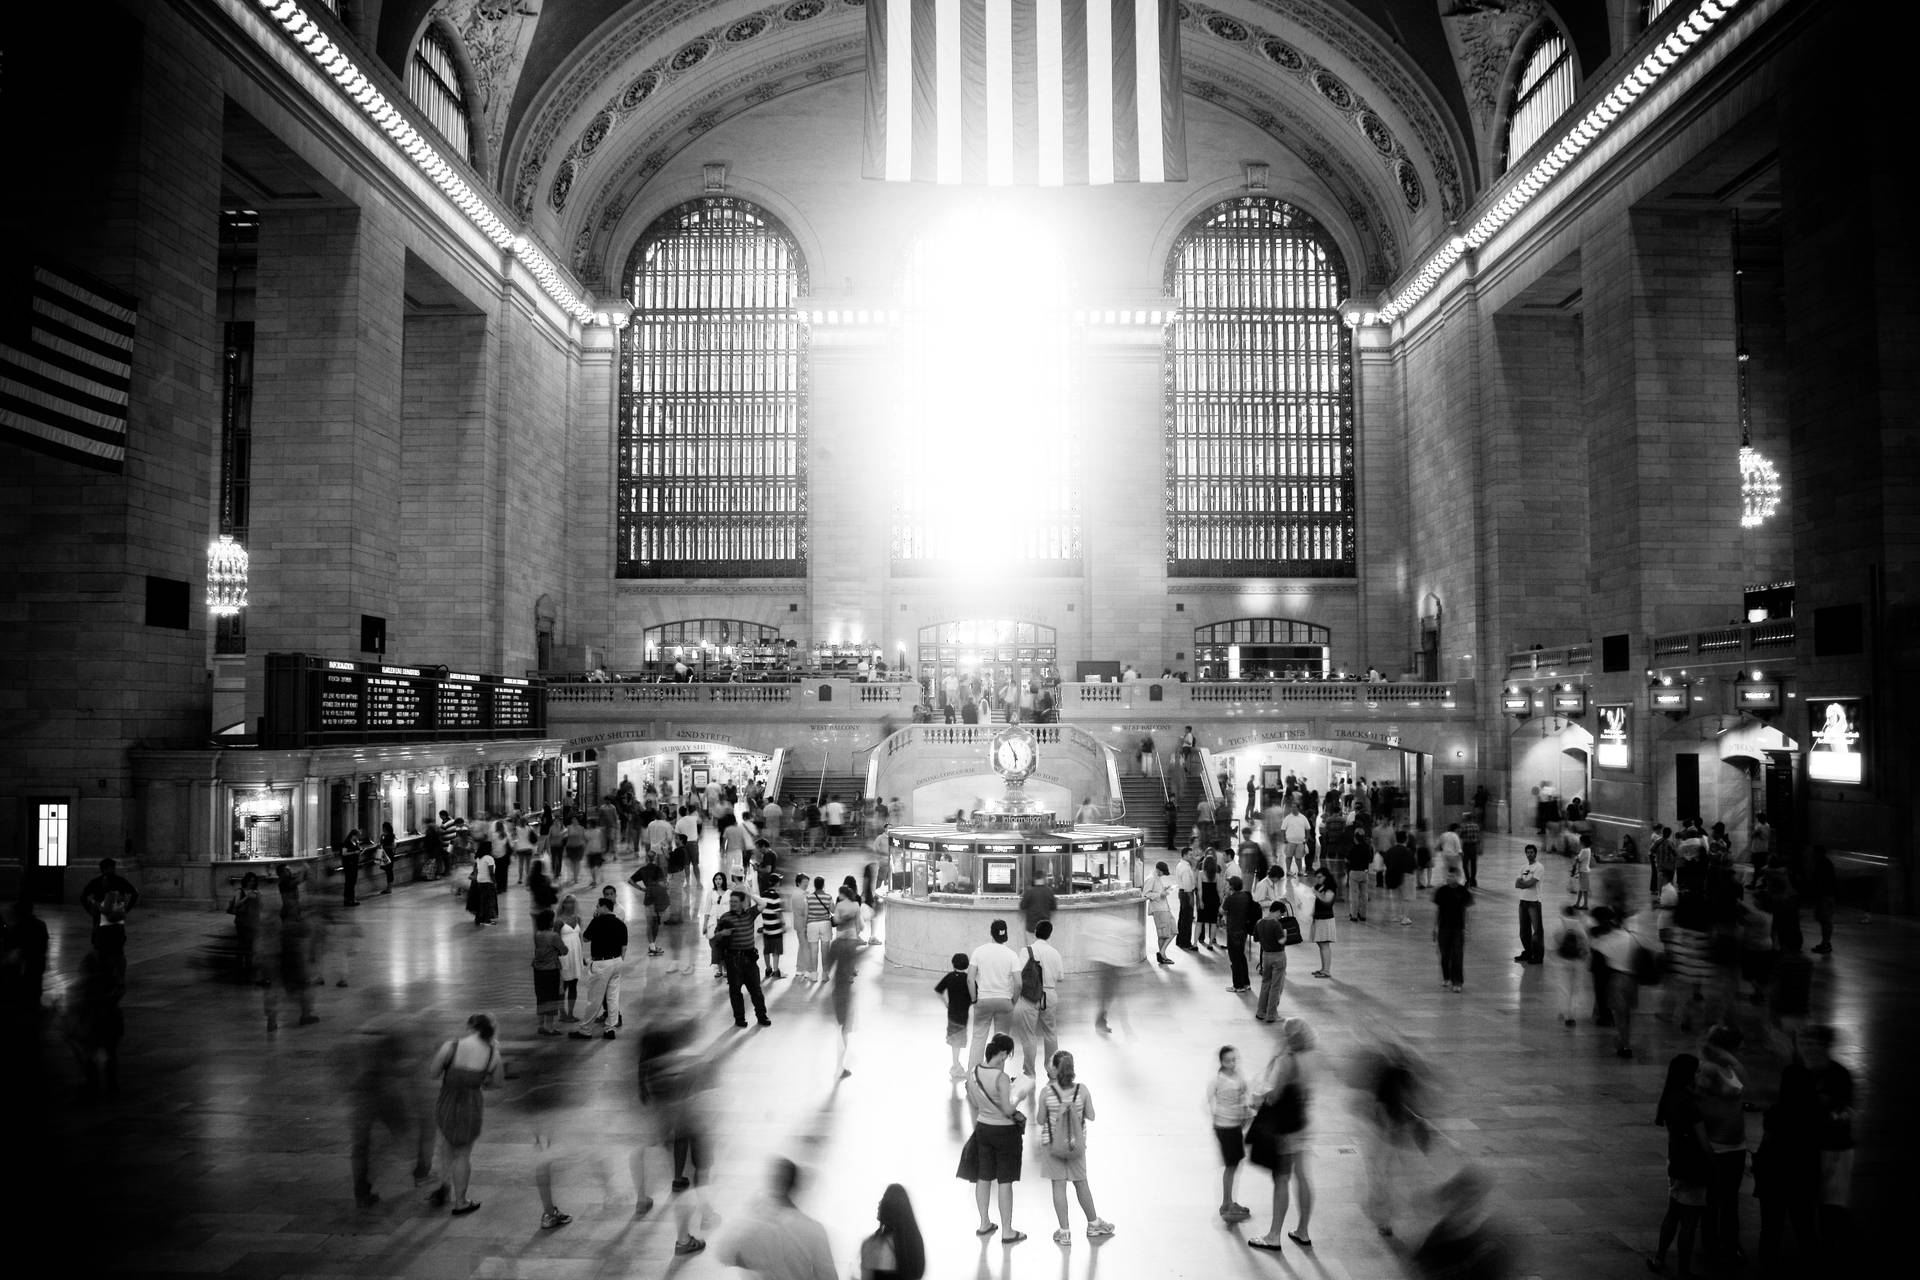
(999, 874)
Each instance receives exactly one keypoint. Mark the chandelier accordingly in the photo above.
(226, 576)
(1759, 481)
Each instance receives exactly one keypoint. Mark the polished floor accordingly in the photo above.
(226, 1151)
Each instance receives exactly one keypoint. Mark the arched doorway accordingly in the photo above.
(1550, 754)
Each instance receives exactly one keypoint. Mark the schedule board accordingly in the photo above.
(319, 702)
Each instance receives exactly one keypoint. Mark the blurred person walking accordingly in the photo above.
(1277, 1138)
(383, 1088)
(548, 953)
(673, 1090)
(777, 1241)
(1689, 1166)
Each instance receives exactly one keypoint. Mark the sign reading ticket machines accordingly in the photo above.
(1614, 749)
(1837, 737)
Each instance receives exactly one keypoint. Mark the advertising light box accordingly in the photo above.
(1838, 738)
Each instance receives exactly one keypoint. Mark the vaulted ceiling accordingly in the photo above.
(1394, 103)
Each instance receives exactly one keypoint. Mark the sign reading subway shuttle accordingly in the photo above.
(325, 702)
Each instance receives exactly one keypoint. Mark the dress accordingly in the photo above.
(459, 1110)
(1210, 900)
(1322, 929)
(570, 962)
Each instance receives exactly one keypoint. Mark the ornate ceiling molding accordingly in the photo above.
(704, 52)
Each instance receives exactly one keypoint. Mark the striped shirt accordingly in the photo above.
(819, 908)
(773, 921)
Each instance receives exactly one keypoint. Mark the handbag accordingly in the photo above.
(1290, 929)
(1018, 1116)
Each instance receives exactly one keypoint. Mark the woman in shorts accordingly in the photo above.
(992, 1154)
(1064, 1106)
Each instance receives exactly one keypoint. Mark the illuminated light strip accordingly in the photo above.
(1648, 72)
(334, 62)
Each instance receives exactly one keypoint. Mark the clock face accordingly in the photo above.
(1013, 754)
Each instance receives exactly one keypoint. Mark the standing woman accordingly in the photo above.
(387, 843)
(244, 907)
(463, 1067)
(1688, 1164)
(1209, 917)
(895, 1251)
(1279, 1133)
(548, 951)
(568, 927)
(1321, 933)
(482, 900)
(992, 1154)
(1065, 1106)
(1159, 884)
(716, 905)
(819, 923)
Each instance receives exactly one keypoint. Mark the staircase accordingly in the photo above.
(850, 787)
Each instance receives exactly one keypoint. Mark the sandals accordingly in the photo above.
(1261, 1242)
(1015, 1238)
(1300, 1240)
(987, 1230)
(468, 1207)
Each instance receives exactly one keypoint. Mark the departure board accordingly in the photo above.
(314, 701)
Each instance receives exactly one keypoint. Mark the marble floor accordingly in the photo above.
(226, 1151)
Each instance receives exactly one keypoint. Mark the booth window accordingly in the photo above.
(50, 834)
(713, 398)
(1548, 81)
(433, 82)
(1259, 409)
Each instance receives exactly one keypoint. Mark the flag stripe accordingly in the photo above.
(926, 92)
(1149, 138)
(1024, 92)
(1026, 95)
(111, 314)
(1073, 56)
(1047, 42)
(52, 377)
(66, 367)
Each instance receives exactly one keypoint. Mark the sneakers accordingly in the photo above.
(554, 1218)
(1099, 1227)
(1064, 1236)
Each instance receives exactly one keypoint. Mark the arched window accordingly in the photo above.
(1260, 649)
(1259, 413)
(713, 405)
(1548, 81)
(433, 82)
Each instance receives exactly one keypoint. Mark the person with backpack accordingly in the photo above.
(1035, 1013)
(1065, 1106)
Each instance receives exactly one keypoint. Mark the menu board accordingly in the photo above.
(330, 701)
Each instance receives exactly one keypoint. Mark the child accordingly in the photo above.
(959, 1003)
(1570, 953)
(1227, 1100)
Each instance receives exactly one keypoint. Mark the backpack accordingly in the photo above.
(1062, 1141)
(1033, 981)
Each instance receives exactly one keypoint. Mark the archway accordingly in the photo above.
(982, 656)
(1546, 751)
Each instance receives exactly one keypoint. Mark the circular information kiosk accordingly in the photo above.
(952, 879)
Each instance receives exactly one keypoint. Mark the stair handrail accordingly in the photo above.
(1116, 795)
(775, 768)
(820, 789)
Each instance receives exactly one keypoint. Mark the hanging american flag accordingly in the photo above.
(1024, 92)
(66, 365)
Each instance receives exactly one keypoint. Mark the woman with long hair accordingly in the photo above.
(463, 1067)
(1688, 1163)
(1159, 883)
(1321, 933)
(569, 926)
(895, 1251)
(1209, 917)
(548, 952)
(716, 905)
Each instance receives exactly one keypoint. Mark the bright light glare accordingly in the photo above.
(986, 396)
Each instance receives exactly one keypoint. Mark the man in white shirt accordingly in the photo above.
(1087, 812)
(993, 971)
(1532, 942)
(1203, 815)
(1187, 881)
(777, 1241)
(833, 815)
(1293, 832)
(1032, 1021)
(1273, 886)
(1451, 851)
(770, 818)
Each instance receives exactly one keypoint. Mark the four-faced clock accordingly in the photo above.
(1013, 754)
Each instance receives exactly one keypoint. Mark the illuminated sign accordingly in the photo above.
(1669, 697)
(1758, 695)
(1517, 702)
(1570, 703)
(1837, 730)
(1614, 749)
(318, 702)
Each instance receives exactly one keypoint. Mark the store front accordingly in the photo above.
(689, 767)
(1327, 765)
(985, 656)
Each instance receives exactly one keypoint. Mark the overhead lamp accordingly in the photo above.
(227, 566)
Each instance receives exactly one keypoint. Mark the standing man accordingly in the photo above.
(1253, 798)
(1532, 943)
(1450, 851)
(1038, 903)
(993, 971)
(108, 898)
(1035, 1021)
(1470, 848)
(733, 935)
(1241, 913)
(351, 849)
(834, 814)
(1187, 881)
(1293, 832)
(606, 939)
(1359, 875)
(1272, 935)
(1203, 814)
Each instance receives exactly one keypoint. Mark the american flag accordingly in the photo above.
(1024, 92)
(66, 365)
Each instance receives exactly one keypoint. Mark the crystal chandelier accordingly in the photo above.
(1759, 481)
(226, 576)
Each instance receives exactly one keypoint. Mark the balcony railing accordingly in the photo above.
(1557, 660)
(1211, 696)
(1735, 644)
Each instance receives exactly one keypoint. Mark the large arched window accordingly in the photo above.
(712, 435)
(1260, 649)
(433, 82)
(1547, 84)
(1259, 415)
